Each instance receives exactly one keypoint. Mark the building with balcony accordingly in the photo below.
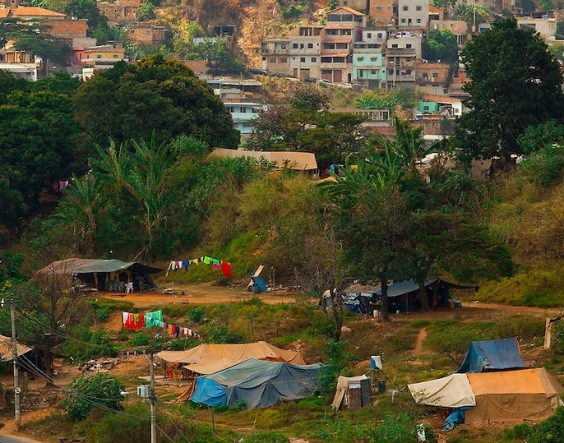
(343, 27)
(305, 51)
(243, 114)
(432, 78)
(275, 55)
(402, 51)
(369, 67)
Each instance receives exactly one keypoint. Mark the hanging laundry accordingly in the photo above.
(226, 268)
(134, 321)
(151, 318)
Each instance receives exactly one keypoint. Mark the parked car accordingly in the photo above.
(325, 81)
(311, 80)
(345, 85)
(257, 71)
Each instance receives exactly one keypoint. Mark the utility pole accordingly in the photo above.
(17, 389)
(153, 401)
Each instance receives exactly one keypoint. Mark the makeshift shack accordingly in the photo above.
(103, 275)
(508, 396)
(257, 384)
(7, 349)
(403, 296)
(210, 358)
(352, 392)
(493, 355)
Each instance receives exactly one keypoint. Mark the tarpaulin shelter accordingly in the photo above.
(507, 396)
(97, 273)
(257, 383)
(403, 296)
(7, 349)
(210, 358)
(513, 396)
(493, 355)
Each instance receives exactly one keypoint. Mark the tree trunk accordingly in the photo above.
(48, 362)
(423, 295)
(385, 313)
(338, 314)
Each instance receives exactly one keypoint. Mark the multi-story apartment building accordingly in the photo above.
(344, 27)
(305, 51)
(413, 13)
(402, 51)
(383, 12)
(432, 78)
(369, 67)
(275, 55)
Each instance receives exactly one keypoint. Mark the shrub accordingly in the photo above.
(266, 437)
(87, 393)
(337, 361)
(542, 166)
(550, 430)
(139, 339)
(196, 315)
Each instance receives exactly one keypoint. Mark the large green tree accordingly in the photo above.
(154, 94)
(40, 141)
(440, 45)
(516, 83)
(305, 124)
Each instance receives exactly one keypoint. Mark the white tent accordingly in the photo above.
(452, 391)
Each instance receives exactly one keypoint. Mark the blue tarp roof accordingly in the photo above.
(493, 355)
(259, 383)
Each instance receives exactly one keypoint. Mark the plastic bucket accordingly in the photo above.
(381, 387)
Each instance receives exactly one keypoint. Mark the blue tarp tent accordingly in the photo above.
(493, 355)
(258, 383)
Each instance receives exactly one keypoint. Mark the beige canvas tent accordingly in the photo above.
(211, 358)
(452, 391)
(6, 349)
(513, 396)
(504, 396)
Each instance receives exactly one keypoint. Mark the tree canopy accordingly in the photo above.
(154, 94)
(516, 83)
(440, 45)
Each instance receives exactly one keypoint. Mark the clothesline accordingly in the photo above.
(149, 319)
(215, 263)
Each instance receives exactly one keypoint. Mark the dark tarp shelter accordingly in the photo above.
(403, 296)
(492, 355)
(258, 383)
(98, 273)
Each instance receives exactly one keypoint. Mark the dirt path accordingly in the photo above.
(419, 342)
(200, 294)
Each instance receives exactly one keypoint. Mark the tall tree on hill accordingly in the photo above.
(516, 83)
(154, 94)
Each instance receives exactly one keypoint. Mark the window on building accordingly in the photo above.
(379, 35)
(406, 8)
(394, 45)
(243, 110)
(147, 32)
(373, 59)
(435, 74)
(403, 20)
(408, 45)
(310, 45)
(115, 56)
(360, 58)
(314, 59)
(418, 20)
(373, 72)
(425, 108)
(295, 46)
(283, 60)
(273, 60)
(98, 56)
(369, 35)
(302, 59)
(360, 73)
(418, 8)
(391, 72)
